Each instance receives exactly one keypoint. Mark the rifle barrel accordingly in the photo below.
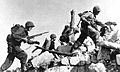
(30, 37)
(56, 52)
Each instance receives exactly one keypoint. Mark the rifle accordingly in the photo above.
(30, 37)
(56, 52)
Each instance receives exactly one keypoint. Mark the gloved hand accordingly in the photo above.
(36, 42)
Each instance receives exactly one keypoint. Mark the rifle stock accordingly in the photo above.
(30, 37)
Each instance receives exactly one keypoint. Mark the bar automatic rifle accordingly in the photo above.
(30, 37)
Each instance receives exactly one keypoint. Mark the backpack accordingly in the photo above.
(18, 31)
(15, 28)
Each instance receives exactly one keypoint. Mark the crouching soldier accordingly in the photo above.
(104, 53)
(110, 47)
(18, 34)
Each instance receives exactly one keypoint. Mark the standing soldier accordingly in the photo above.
(18, 34)
(89, 26)
(51, 43)
(69, 30)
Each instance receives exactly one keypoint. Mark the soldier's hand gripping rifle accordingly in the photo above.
(30, 37)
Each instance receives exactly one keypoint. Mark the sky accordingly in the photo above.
(48, 15)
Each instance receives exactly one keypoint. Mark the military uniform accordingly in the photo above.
(108, 35)
(49, 44)
(104, 53)
(110, 47)
(14, 50)
(68, 34)
(89, 27)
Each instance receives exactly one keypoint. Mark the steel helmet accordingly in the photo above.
(80, 14)
(52, 36)
(29, 24)
(64, 38)
(96, 9)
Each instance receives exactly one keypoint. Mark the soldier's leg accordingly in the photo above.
(22, 56)
(79, 41)
(82, 37)
(8, 62)
(95, 36)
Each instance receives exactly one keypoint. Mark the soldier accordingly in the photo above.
(69, 31)
(18, 35)
(111, 43)
(89, 26)
(104, 53)
(49, 44)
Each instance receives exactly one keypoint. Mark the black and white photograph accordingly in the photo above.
(59, 36)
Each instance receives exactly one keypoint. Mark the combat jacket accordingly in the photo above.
(49, 45)
(9, 40)
(88, 19)
(18, 38)
(14, 40)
